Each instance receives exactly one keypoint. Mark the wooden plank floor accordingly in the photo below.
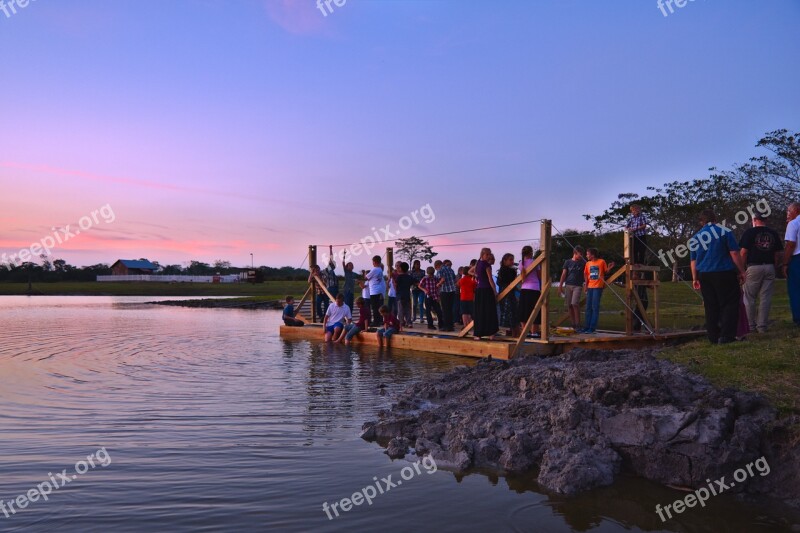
(422, 339)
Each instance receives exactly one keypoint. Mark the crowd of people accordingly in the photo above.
(734, 278)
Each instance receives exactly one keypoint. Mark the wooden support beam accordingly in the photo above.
(312, 260)
(544, 246)
(505, 292)
(303, 300)
(324, 289)
(642, 310)
(537, 308)
(389, 259)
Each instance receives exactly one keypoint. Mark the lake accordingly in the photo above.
(178, 419)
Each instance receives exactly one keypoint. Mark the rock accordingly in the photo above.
(581, 418)
(397, 448)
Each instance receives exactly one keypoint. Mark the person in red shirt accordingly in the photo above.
(467, 285)
(390, 325)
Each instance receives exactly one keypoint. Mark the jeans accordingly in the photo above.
(404, 311)
(376, 301)
(793, 286)
(349, 299)
(593, 297)
(352, 330)
(419, 304)
(322, 303)
(432, 305)
(759, 284)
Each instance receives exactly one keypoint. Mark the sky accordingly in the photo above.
(213, 130)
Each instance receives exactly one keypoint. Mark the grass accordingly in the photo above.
(765, 363)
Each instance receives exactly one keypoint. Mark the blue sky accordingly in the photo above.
(216, 129)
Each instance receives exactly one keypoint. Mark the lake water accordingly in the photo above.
(210, 422)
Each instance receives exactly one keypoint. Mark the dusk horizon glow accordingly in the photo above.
(219, 130)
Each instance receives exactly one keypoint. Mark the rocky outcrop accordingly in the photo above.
(579, 419)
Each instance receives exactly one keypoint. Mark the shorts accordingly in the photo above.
(572, 295)
(386, 332)
(467, 307)
(332, 327)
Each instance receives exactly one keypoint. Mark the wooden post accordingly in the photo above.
(627, 247)
(389, 258)
(544, 245)
(312, 260)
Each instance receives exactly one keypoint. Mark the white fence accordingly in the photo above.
(230, 278)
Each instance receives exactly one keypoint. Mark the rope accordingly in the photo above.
(480, 243)
(456, 232)
(652, 333)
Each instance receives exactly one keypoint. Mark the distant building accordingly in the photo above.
(130, 267)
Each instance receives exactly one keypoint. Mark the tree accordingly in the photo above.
(222, 266)
(198, 268)
(413, 248)
(776, 175)
(672, 209)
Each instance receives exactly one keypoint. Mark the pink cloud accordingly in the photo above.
(300, 17)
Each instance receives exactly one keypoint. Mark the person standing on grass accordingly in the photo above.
(485, 317)
(718, 271)
(571, 285)
(791, 259)
(336, 317)
(594, 274)
(377, 288)
(419, 297)
(760, 251)
(466, 285)
(447, 293)
(637, 226)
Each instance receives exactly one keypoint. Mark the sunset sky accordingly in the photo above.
(215, 129)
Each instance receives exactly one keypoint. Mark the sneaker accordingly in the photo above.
(432, 327)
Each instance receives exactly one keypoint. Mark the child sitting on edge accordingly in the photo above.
(594, 275)
(353, 329)
(430, 286)
(289, 317)
(390, 325)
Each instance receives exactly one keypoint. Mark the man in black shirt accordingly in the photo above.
(760, 249)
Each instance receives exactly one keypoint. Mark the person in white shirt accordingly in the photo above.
(791, 259)
(336, 317)
(377, 288)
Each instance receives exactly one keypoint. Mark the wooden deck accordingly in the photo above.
(422, 339)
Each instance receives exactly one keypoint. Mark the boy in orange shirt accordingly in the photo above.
(594, 276)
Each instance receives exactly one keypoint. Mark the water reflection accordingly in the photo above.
(215, 423)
